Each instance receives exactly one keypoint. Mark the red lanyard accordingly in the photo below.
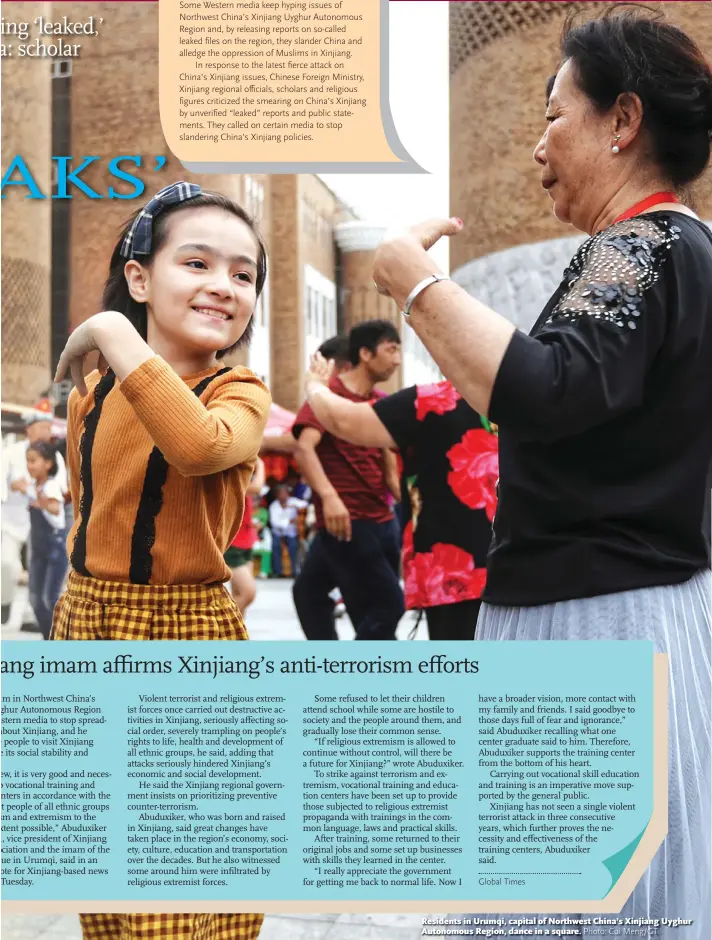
(655, 200)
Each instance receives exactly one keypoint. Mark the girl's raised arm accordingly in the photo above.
(196, 438)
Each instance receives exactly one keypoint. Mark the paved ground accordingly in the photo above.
(270, 618)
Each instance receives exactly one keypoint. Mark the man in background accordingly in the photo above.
(356, 545)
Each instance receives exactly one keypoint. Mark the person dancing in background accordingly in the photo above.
(162, 443)
(602, 529)
(448, 484)
(239, 555)
(356, 544)
(336, 350)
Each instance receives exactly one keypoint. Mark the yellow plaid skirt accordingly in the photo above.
(112, 610)
(116, 610)
(171, 926)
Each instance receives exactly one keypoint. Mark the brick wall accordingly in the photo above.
(318, 209)
(497, 102)
(26, 131)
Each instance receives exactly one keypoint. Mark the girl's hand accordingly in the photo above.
(90, 336)
(119, 344)
(319, 372)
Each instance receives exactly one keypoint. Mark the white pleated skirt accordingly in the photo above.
(677, 619)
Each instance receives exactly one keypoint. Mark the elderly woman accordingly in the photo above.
(605, 409)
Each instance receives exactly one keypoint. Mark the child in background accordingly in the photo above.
(161, 444)
(48, 553)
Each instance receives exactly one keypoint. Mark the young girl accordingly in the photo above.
(161, 444)
(48, 554)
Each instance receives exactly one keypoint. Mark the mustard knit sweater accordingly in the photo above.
(159, 465)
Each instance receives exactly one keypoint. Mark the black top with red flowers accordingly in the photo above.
(448, 489)
(605, 421)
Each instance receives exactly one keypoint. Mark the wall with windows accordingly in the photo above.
(513, 257)
(305, 278)
(319, 310)
(320, 210)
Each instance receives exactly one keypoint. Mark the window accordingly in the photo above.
(61, 68)
(254, 198)
(319, 309)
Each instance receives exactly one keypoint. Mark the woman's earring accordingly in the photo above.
(615, 148)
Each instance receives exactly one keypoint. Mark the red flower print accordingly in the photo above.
(475, 468)
(444, 576)
(437, 398)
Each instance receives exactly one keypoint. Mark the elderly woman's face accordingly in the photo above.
(574, 152)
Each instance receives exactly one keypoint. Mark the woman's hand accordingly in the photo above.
(319, 372)
(19, 486)
(402, 261)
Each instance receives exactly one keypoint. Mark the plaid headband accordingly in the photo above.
(139, 238)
